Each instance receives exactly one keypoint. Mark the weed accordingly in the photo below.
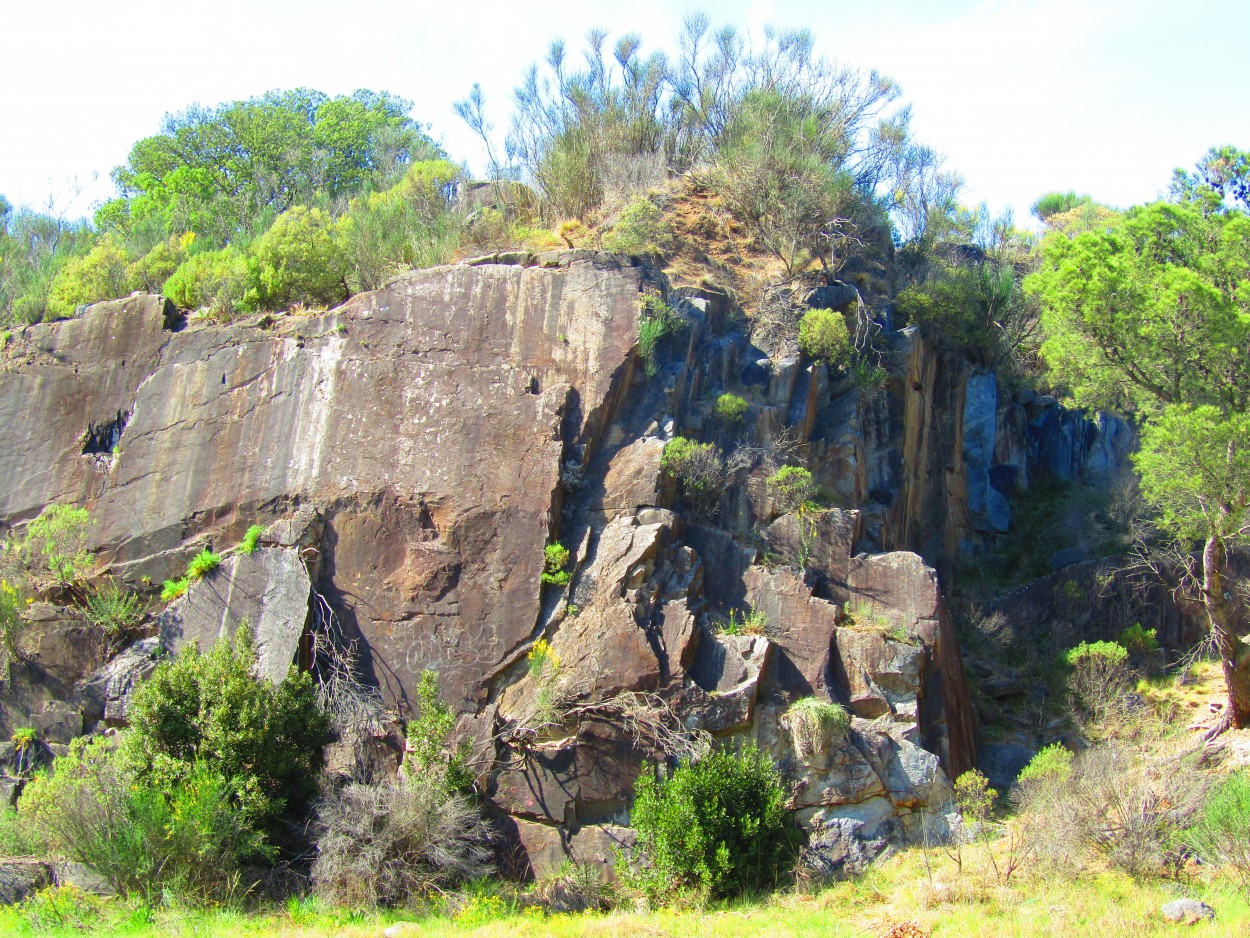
(251, 540)
(203, 564)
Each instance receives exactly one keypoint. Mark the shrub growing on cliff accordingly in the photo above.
(251, 540)
(98, 275)
(555, 559)
(641, 228)
(266, 739)
(698, 467)
(657, 321)
(1098, 679)
(56, 542)
(212, 280)
(814, 725)
(730, 409)
(823, 336)
(716, 828)
(427, 734)
(113, 609)
(11, 622)
(298, 260)
(203, 564)
(791, 487)
(1053, 761)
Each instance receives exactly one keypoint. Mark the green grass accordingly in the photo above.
(940, 900)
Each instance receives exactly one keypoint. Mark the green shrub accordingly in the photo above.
(18, 836)
(203, 564)
(823, 336)
(544, 669)
(1138, 641)
(11, 622)
(716, 828)
(791, 487)
(212, 280)
(173, 589)
(697, 466)
(555, 559)
(1098, 679)
(251, 540)
(184, 837)
(730, 409)
(154, 269)
(298, 260)
(266, 739)
(427, 734)
(1222, 832)
(657, 321)
(113, 609)
(641, 228)
(1053, 761)
(814, 725)
(56, 542)
(974, 797)
(98, 275)
(66, 909)
(753, 622)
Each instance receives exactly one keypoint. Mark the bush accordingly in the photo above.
(1138, 641)
(386, 844)
(210, 708)
(113, 609)
(11, 622)
(730, 409)
(823, 336)
(658, 320)
(716, 828)
(1053, 761)
(1097, 682)
(1222, 832)
(815, 725)
(641, 228)
(173, 589)
(555, 559)
(56, 542)
(791, 487)
(697, 466)
(203, 564)
(427, 735)
(577, 886)
(185, 838)
(99, 275)
(251, 540)
(298, 260)
(212, 280)
(18, 837)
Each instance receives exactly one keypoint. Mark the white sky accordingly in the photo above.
(1023, 96)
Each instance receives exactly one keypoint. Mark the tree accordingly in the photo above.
(1220, 180)
(1152, 317)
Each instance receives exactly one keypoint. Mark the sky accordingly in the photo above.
(1022, 96)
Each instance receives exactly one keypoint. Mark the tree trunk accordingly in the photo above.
(1222, 614)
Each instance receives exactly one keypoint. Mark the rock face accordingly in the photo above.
(414, 450)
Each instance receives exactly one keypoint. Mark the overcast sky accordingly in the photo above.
(1023, 96)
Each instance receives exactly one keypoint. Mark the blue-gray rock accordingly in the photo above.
(988, 507)
(1002, 763)
(1068, 556)
(1187, 911)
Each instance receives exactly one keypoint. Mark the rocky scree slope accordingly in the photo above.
(414, 450)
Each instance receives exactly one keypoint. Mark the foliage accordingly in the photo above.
(100, 274)
(388, 844)
(251, 539)
(974, 797)
(555, 559)
(225, 172)
(717, 828)
(34, 246)
(544, 669)
(212, 280)
(265, 739)
(730, 409)
(203, 564)
(11, 622)
(412, 224)
(1221, 833)
(66, 907)
(183, 838)
(1220, 181)
(18, 838)
(823, 336)
(1056, 203)
(657, 321)
(1098, 679)
(640, 228)
(1053, 760)
(300, 259)
(698, 467)
(791, 487)
(173, 589)
(114, 609)
(427, 736)
(576, 886)
(753, 622)
(57, 542)
(815, 725)
(1138, 641)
